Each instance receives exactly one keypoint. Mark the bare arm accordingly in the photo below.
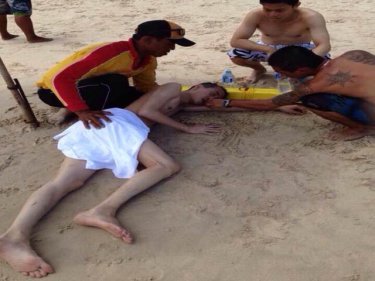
(292, 97)
(319, 34)
(265, 104)
(165, 101)
(275, 103)
(246, 29)
(201, 108)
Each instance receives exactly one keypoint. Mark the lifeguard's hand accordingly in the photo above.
(92, 118)
(214, 103)
(292, 109)
(203, 128)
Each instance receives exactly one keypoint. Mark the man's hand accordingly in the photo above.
(92, 118)
(292, 109)
(203, 128)
(270, 50)
(215, 103)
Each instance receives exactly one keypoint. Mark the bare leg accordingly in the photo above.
(158, 166)
(352, 131)
(24, 22)
(14, 243)
(258, 68)
(5, 35)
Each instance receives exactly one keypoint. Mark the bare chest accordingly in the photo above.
(280, 33)
(172, 106)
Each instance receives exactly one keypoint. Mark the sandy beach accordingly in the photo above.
(270, 198)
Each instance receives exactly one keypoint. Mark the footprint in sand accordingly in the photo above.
(6, 162)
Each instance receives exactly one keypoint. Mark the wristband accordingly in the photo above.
(226, 103)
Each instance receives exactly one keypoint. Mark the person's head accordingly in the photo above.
(202, 92)
(158, 37)
(279, 9)
(295, 61)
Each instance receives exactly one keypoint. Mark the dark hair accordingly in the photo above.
(291, 58)
(213, 85)
(288, 2)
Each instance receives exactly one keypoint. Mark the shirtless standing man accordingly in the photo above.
(340, 90)
(116, 146)
(281, 23)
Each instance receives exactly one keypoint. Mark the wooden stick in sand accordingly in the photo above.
(17, 92)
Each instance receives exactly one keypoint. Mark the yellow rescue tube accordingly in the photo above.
(241, 93)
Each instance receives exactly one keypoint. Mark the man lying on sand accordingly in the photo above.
(341, 89)
(117, 146)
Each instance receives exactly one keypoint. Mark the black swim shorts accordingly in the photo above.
(100, 92)
(353, 108)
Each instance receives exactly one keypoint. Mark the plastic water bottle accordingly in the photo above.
(227, 76)
(284, 85)
(276, 75)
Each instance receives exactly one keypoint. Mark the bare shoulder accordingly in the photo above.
(164, 92)
(309, 12)
(255, 12)
(359, 56)
(172, 85)
(167, 89)
(254, 15)
(311, 15)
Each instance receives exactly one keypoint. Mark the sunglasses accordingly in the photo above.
(179, 31)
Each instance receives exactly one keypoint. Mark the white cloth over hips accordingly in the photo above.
(113, 147)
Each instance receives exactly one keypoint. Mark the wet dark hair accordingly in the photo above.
(288, 2)
(213, 85)
(291, 58)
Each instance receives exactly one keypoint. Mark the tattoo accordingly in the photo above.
(339, 78)
(303, 89)
(360, 56)
(287, 98)
(293, 96)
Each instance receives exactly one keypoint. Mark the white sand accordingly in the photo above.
(267, 199)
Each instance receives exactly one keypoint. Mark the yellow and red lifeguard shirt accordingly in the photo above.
(94, 60)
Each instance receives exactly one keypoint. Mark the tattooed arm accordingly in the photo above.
(289, 98)
(293, 96)
(360, 56)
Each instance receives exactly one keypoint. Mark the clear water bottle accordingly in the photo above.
(227, 76)
(284, 85)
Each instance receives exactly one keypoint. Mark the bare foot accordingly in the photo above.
(107, 223)
(8, 36)
(348, 134)
(38, 39)
(22, 258)
(256, 75)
